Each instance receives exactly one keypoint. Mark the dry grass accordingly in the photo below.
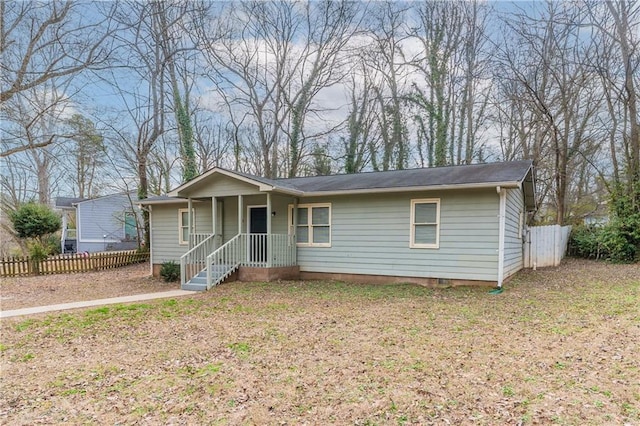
(560, 346)
(26, 292)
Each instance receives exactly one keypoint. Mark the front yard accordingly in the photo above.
(559, 346)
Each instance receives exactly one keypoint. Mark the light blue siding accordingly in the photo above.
(164, 222)
(513, 256)
(100, 222)
(165, 245)
(221, 186)
(370, 235)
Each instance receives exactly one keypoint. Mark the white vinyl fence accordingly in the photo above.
(545, 245)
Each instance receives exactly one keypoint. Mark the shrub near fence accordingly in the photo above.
(65, 264)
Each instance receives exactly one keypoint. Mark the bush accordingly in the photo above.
(38, 251)
(170, 271)
(617, 241)
(36, 221)
(584, 241)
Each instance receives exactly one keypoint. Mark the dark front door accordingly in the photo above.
(258, 234)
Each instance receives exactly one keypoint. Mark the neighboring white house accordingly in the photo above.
(111, 222)
(447, 225)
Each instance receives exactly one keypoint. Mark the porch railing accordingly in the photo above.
(253, 250)
(197, 238)
(195, 260)
(222, 262)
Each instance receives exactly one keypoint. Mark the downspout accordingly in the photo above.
(150, 238)
(294, 231)
(501, 233)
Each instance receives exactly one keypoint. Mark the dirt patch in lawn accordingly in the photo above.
(559, 346)
(26, 292)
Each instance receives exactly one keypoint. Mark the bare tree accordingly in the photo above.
(271, 59)
(362, 133)
(547, 65)
(387, 61)
(616, 61)
(42, 41)
(32, 127)
(86, 154)
(143, 93)
(451, 96)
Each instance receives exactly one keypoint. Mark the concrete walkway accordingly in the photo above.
(97, 302)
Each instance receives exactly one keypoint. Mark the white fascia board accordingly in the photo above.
(490, 185)
(286, 191)
(261, 186)
(168, 201)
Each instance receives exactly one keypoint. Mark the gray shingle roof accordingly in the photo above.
(513, 171)
(68, 202)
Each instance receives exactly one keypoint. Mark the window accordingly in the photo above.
(425, 223)
(183, 226)
(314, 225)
(130, 226)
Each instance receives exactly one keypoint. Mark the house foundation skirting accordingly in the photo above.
(384, 279)
(245, 273)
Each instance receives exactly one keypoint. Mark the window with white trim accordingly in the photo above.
(183, 226)
(425, 223)
(313, 227)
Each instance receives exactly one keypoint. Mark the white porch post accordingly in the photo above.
(240, 203)
(64, 230)
(214, 215)
(269, 245)
(189, 220)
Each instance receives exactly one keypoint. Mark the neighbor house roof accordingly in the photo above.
(507, 174)
(164, 199)
(71, 202)
(67, 202)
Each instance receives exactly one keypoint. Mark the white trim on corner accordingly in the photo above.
(502, 219)
(412, 243)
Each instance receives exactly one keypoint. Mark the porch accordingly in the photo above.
(246, 235)
(251, 256)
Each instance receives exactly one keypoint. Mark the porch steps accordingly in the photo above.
(218, 274)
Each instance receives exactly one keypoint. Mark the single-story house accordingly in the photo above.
(99, 224)
(443, 225)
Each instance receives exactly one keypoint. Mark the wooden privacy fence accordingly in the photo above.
(545, 245)
(65, 263)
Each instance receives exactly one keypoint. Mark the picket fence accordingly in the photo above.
(69, 263)
(545, 245)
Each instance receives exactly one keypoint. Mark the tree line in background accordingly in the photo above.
(100, 97)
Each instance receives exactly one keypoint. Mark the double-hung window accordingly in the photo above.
(425, 223)
(313, 228)
(183, 226)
